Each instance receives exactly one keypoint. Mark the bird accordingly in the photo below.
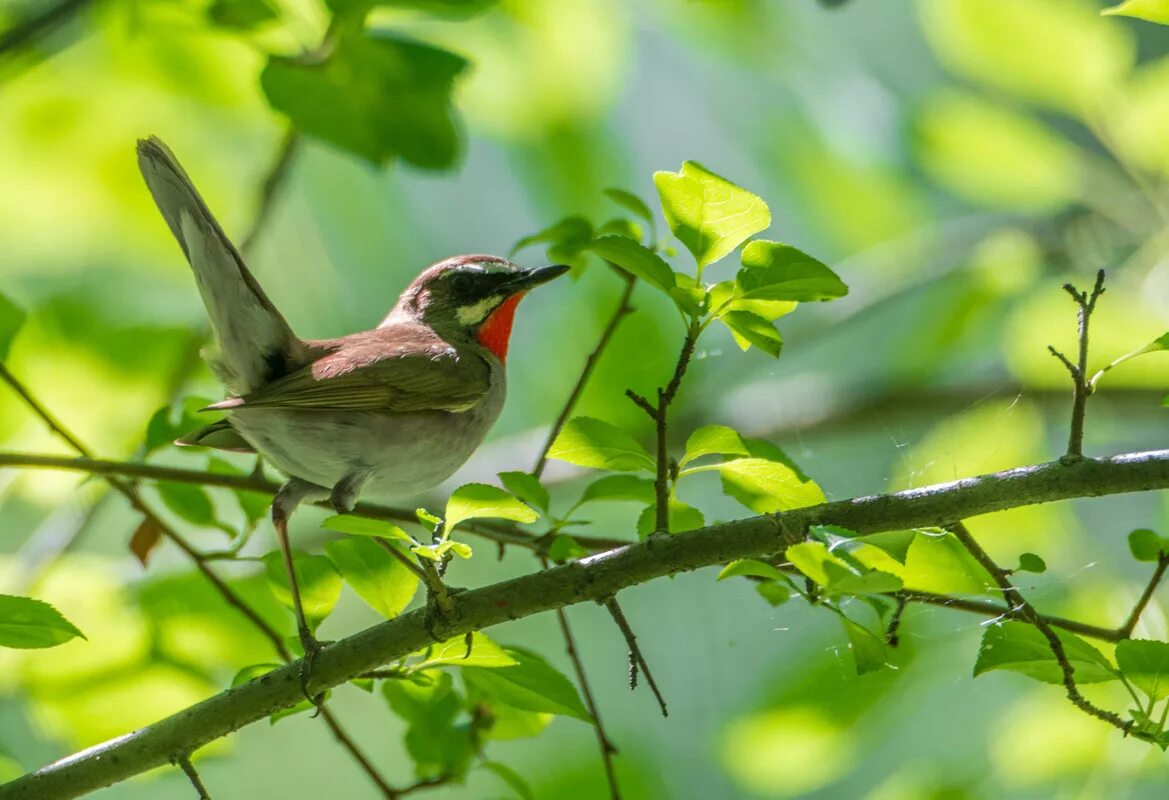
(391, 411)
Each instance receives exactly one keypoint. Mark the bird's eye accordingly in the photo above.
(462, 282)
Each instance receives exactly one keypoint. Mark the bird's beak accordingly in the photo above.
(531, 278)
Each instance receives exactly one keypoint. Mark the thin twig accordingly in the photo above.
(402, 558)
(1028, 614)
(188, 768)
(271, 188)
(636, 659)
(339, 733)
(27, 31)
(995, 611)
(1135, 616)
(893, 631)
(1081, 386)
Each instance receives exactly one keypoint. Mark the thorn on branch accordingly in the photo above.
(636, 659)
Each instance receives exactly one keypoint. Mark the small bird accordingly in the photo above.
(393, 411)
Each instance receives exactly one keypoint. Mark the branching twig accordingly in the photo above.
(1027, 613)
(343, 738)
(994, 610)
(636, 659)
(1134, 617)
(188, 769)
(1081, 386)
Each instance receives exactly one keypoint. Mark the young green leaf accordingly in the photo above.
(532, 685)
(1146, 665)
(361, 526)
(454, 652)
(752, 567)
(572, 233)
(939, 563)
(1158, 344)
(682, 517)
(379, 579)
(748, 328)
(1147, 545)
(634, 258)
(776, 271)
(812, 558)
(478, 500)
(630, 202)
(713, 440)
(251, 672)
(1019, 647)
(868, 651)
(765, 486)
(707, 213)
(11, 319)
(28, 624)
(589, 442)
(619, 487)
(1148, 10)
(526, 487)
(330, 98)
(874, 581)
(318, 581)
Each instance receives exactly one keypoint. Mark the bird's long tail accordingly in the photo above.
(256, 345)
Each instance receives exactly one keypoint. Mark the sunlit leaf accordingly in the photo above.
(317, 579)
(811, 558)
(1146, 665)
(750, 329)
(28, 624)
(532, 684)
(1148, 10)
(593, 443)
(776, 271)
(361, 526)
(619, 487)
(482, 652)
(707, 213)
(1157, 345)
(526, 487)
(713, 440)
(478, 500)
(379, 579)
(635, 258)
(767, 486)
(376, 96)
(939, 563)
(752, 567)
(1019, 647)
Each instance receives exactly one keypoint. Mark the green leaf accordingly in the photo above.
(635, 258)
(379, 579)
(532, 685)
(1157, 345)
(361, 526)
(873, 581)
(526, 487)
(752, 567)
(28, 624)
(868, 651)
(1147, 545)
(513, 779)
(811, 558)
(749, 328)
(1146, 665)
(774, 592)
(619, 487)
(422, 695)
(713, 440)
(450, 9)
(682, 518)
(378, 97)
(460, 549)
(707, 213)
(252, 672)
(318, 581)
(630, 202)
(570, 233)
(939, 563)
(191, 503)
(11, 320)
(589, 442)
(479, 500)
(241, 15)
(1148, 10)
(172, 421)
(256, 506)
(767, 486)
(1029, 562)
(1019, 647)
(776, 271)
(454, 652)
(619, 226)
(565, 548)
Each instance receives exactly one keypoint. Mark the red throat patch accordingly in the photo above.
(495, 331)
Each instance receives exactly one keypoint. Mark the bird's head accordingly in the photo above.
(471, 297)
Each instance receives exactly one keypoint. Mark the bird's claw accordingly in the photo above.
(312, 648)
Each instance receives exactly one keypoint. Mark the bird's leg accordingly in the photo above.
(287, 499)
(344, 495)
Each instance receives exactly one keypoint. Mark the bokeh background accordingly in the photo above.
(955, 161)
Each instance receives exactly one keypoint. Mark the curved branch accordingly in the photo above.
(590, 579)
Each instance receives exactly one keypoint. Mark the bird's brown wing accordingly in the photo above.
(401, 370)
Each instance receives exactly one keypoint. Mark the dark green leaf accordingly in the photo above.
(526, 487)
(241, 14)
(318, 581)
(707, 213)
(190, 502)
(774, 592)
(752, 567)
(1020, 647)
(1147, 545)
(532, 685)
(682, 518)
(570, 233)
(868, 650)
(11, 318)
(378, 97)
(252, 672)
(29, 624)
(589, 442)
(565, 548)
(621, 227)
(513, 779)
(424, 694)
(478, 500)
(451, 9)
(775, 271)
(379, 579)
(1146, 665)
(634, 258)
(631, 202)
(619, 487)
(749, 329)
(1029, 562)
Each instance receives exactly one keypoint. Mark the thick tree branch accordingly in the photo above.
(594, 578)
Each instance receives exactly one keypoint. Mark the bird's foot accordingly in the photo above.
(312, 648)
(441, 612)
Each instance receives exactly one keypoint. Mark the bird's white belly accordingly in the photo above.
(404, 454)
